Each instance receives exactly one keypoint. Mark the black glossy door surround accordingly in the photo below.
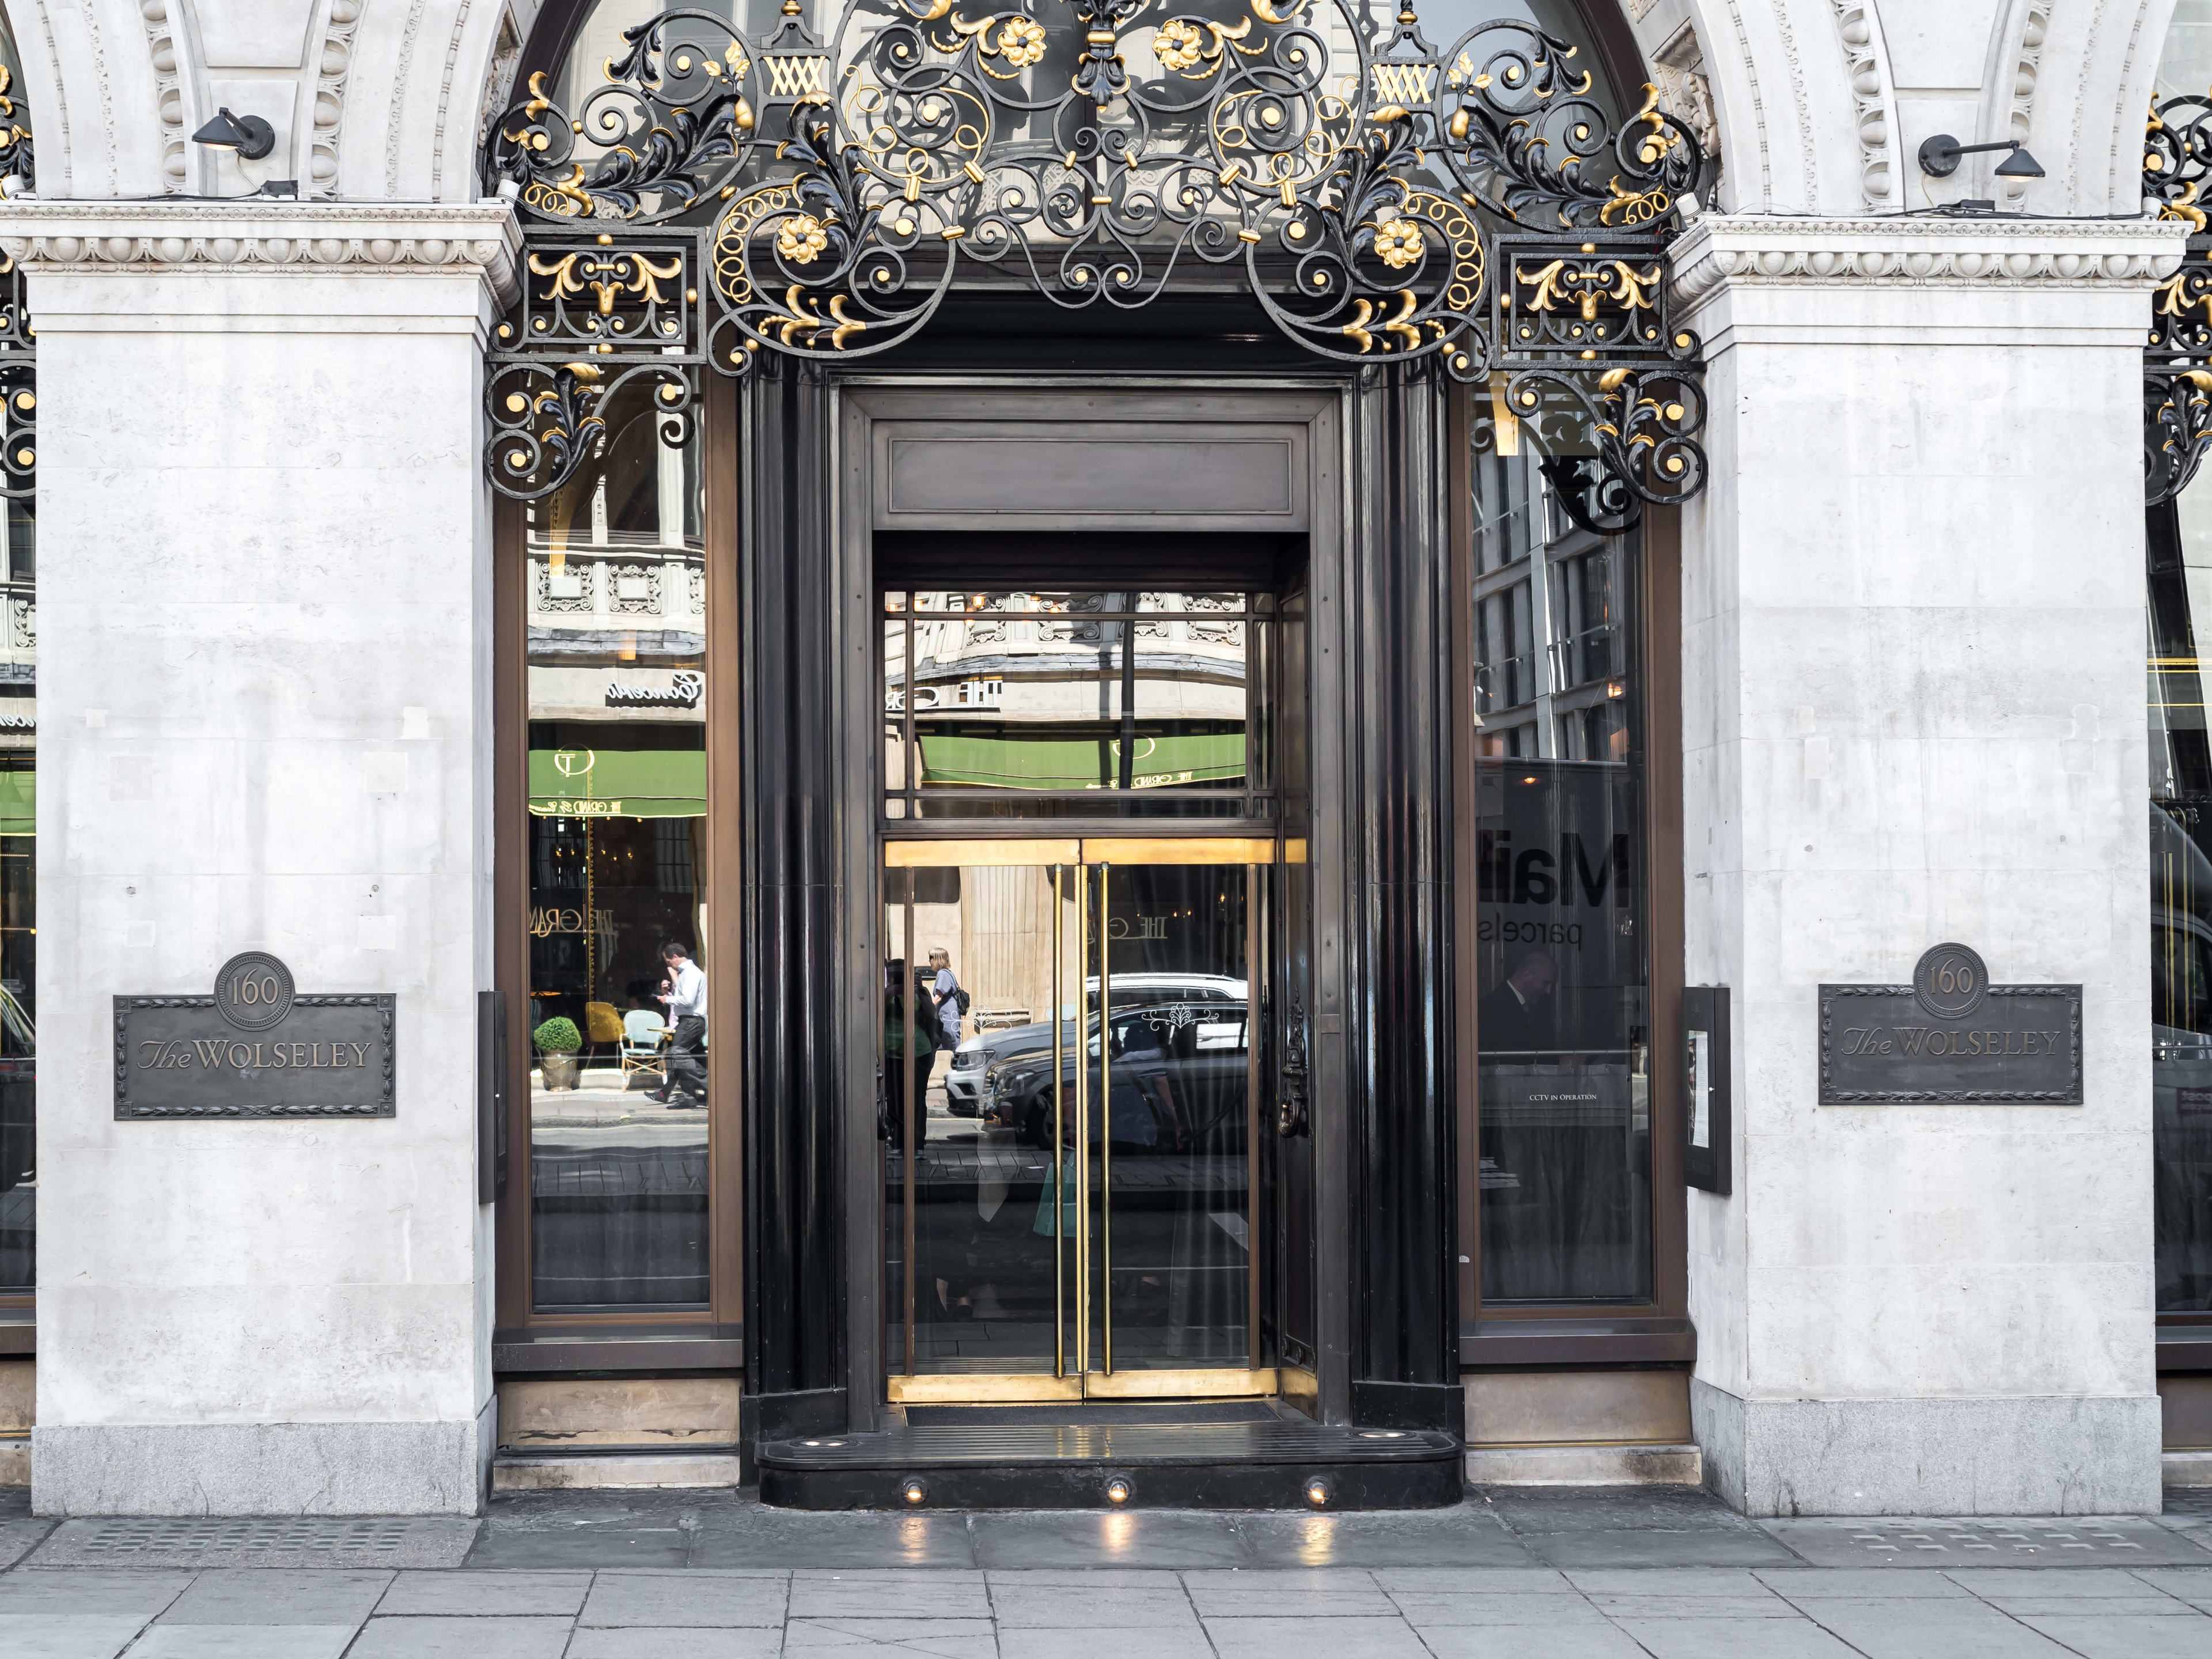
(1363, 461)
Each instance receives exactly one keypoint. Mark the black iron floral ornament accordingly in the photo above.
(1381, 200)
(2178, 359)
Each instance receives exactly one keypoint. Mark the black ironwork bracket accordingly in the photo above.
(2177, 356)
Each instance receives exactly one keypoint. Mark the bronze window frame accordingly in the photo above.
(523, 1339)
(1655, 1330)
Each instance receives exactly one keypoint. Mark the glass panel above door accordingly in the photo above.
(1063, 704)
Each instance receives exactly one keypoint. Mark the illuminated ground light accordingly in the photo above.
(915, 1492)
(1118, 1490)
(1319, 1492)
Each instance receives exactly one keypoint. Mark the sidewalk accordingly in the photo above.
(1519, 1574)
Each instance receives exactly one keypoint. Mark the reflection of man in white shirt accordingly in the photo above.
(686, 997)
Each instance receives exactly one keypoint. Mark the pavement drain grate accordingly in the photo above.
(1977, 1538)
(1932, 1541)
(278, 1540)
(263, 1536)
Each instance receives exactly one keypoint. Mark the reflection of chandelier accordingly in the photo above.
(1381, 200)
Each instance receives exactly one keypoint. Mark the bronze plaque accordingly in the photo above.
(255, 1048)
(1950, 1038)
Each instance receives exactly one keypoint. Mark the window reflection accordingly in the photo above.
(1038, 704)
(2181, 583)
(618, 787)
(19, 870)
(1563, 1021)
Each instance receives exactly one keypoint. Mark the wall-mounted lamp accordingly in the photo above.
(249, 135)
(1939, 157)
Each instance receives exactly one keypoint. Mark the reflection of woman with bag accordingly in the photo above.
(903, 1081)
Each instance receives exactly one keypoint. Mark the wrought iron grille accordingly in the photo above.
(719, 195)
(19, 348)
(2177, 360)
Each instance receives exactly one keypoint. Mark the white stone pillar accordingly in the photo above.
(265, 685)
(1913, 624)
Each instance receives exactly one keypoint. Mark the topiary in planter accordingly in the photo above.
(558, 1036)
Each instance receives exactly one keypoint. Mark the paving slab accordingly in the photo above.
(1343, 1593)
(551, 1531)
(308, 1541)
(461, 1638)
(1160, 1539)
(665, 1600)
(941, 1639)
(1106, 1641)
(698, 1644)
(1810, 1584)
(1426, 1613)
(111, 1594)
(1628, 1608)
(1600, 1641)
(1473, 1581)
(65, 1635)
(889, 1595)
(1896, 1628)
(243, 1642)
(1997, 1585)
(19, 1536)
(2127, 1636)
(245, 1595)
(1538, 1510)
(1076, 1606)
(2190, 1584)
(1650, 1547)
(783, 1539)
(546, 1594)
(1469, 1536)
(1344, 1637)
(1736, 1638)
(1982, 1541)
(1092, 1577)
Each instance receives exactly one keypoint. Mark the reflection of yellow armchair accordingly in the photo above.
(602, 1025)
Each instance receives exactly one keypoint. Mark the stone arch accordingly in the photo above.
(1821, 104)
(371, 100)
(1814, 105)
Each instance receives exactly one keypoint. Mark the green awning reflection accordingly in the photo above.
(1058, 762)
(19, 803)
(618, 783)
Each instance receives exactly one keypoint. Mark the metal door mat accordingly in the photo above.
(259, 1541)
(1989, 1541)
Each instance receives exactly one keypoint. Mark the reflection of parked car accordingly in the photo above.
(967, 1083)
(1191, 1037)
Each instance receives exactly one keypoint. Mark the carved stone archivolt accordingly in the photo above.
(717, 195)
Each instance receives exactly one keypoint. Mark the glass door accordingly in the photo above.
(1069, 1097)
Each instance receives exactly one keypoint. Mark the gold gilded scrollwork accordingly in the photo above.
(1360, 183)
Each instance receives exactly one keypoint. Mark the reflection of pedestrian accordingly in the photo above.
(907, 1080)
(686, 997)
(1519, 1016)
(952, 1001)
(1144, 1115)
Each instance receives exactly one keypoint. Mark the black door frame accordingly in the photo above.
(1308, 414)
(1380, 1034)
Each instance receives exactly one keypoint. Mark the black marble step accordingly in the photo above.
(1086, 1464)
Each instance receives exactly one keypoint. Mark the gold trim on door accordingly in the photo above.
(1090, 850)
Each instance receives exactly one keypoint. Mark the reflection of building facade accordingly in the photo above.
(1053, 707)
